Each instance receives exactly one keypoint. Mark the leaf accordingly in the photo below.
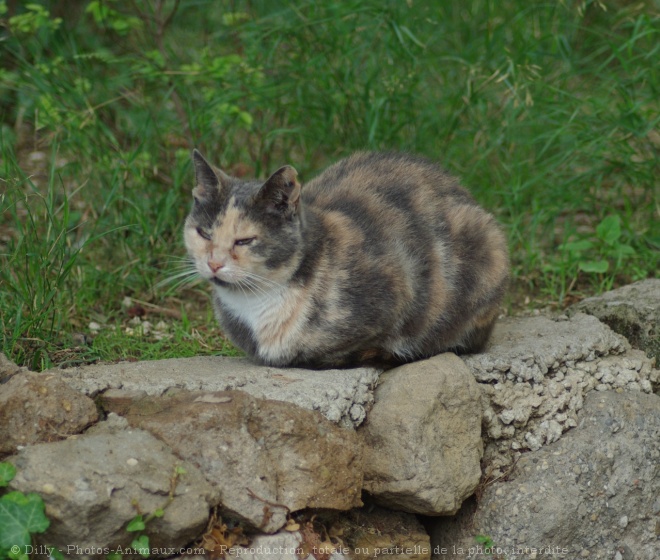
(141, 545)
(159, 512)
(594, 266)
(7, 473)
(18, 555)
(577, 246)
(21, 515)
(624, 249)
(291, 525)
(412, 37)
(609, 230)
(232, 18)
(136, 524)
(485, 540)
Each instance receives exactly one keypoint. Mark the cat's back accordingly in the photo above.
(384, 201)
(385, 178)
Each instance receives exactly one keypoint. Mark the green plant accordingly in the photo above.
(607, 245)
(486, 542)
(21, 516)
(605, 250)
(141, 541)
(139, 523)
(35, 18)
(38, 278)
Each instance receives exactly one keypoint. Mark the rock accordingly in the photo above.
(7, 368)
(112, 424)
(267, 458)
(93, 485)
(423, 437)
(281, 546)
(633, 311)
(36, 407)
(120, 401)
(373, 532)
(536, 373)
(591, 493)
(527, 348)
(342, 396)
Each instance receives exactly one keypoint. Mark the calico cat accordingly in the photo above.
(381, 259)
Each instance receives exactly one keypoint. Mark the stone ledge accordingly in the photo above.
(343, 396)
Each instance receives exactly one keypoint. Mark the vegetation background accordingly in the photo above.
(547, 110)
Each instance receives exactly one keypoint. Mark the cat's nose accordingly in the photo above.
(215, 265)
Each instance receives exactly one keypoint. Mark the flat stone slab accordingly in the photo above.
(525, 349)
(633, 311)
(266, 458)
(343, 396)
(536, 372)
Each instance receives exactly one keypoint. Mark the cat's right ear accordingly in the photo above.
(210, 181)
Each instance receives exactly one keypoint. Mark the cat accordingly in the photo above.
(380, 260)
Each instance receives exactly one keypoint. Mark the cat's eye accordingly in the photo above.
(203, 233)
(245, 241)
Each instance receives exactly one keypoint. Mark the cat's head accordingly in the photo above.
(244, 234)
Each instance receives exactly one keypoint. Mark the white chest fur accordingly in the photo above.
(274, 316)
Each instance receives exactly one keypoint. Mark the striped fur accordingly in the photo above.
(383, 258)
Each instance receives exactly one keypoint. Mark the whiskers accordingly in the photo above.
(259, 285)
(187, 274)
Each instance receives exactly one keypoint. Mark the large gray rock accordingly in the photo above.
(37, 407)
(342, 396)
(267, 458)
(536, 372)
(7, 368)
(423, 437)
(633, 311)
(93, 485)
(592, 494)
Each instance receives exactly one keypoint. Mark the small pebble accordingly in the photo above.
(37, 157)
(79, 339)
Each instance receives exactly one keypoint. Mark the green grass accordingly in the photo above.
(548, 111)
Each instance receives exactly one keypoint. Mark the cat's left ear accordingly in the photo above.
(281, 192)
(210, 181)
